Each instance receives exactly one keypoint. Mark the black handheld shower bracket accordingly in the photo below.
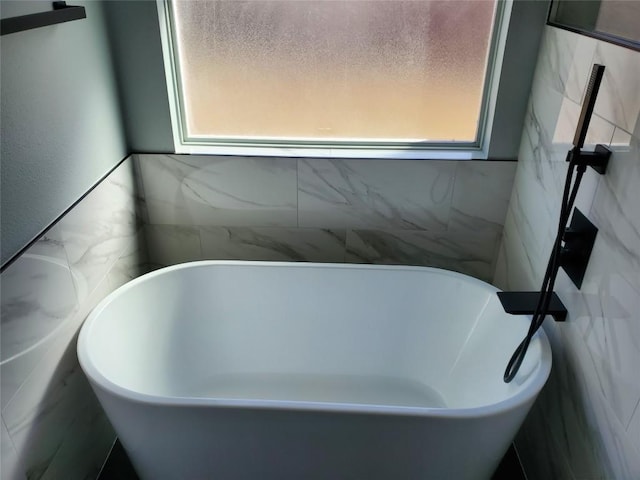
(598, 159)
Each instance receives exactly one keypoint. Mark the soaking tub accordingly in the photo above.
(251, 370)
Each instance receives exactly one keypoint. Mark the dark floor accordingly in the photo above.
(118, 466)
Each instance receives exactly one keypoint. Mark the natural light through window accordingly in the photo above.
(389, 70)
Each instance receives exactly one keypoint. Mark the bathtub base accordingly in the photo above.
(249, 444)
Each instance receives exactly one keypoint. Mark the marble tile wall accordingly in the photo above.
(52, 425)
(586, 423)
(436, 213)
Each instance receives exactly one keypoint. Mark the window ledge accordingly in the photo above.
(333, 152)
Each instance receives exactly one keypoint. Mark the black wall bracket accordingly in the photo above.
(524, 303)
(579, 239)
(61, 13)
(598, 159)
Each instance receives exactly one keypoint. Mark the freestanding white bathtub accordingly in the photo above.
(249, 370)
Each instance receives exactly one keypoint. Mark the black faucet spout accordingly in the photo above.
(525, 303)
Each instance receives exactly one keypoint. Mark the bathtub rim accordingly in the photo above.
(526, 395)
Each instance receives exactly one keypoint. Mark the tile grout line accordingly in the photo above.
(636, 410)
(106, 460)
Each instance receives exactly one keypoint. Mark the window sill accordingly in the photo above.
(333, 152)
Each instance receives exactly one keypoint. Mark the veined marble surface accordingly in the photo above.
(52, 425)
(448, 214)
(585, 423)
(97, 231)
(470, 255)
(222, 191)
(619, 102)
(172, 244)
(38, 297)
(399, 194)
(276, 244)
(10, 466)
(481, 195)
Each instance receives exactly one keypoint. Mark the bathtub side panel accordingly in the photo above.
(174, 442)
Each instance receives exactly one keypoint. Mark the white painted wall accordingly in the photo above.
(61, 122)
(134, 36)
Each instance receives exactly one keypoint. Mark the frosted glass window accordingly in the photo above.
(388, 70)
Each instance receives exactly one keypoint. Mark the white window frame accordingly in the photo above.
(480, 149)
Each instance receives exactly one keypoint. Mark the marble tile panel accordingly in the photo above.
(566, 404)
(622, 455)
(615, 207)
(13, 373)
(587, 411)
(539, 183)
(142, 211)
(220, 191)
(503, 260)
(43, 410)
(633, 429)
(49, 392)
(581, 64)
(132, 263)
(482, 191)
(540, 178)
(463, 223)
(34, 388)
(535, 204)
(42, 424)
(622, 142)
(536, 198)
(97, 231)
(611, 325)
(599, 131)
(61, 277)
(534, 211)
(278, 244)
(38, 297)
(601, 361)
(550, 126)
(515, 267)
(50, 245)
(541, 460)
(398, 194)
(613, 450)
(99, 293)
(618, 387)
(555, 58)
(537, 146)
(618, 99)
(172, 244)
(85, 446)
(563, 412)
(10, 466)
(471, 255)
